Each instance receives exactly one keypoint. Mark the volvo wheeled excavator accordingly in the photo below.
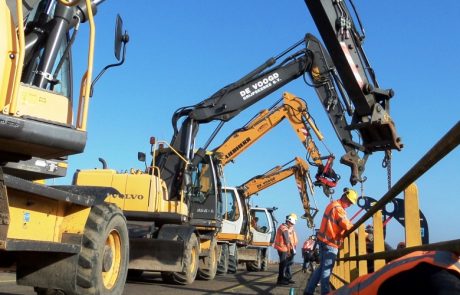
(60, 240)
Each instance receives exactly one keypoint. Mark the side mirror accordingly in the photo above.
(118, 36)
(120, 42)
(120, 39)
(141, 156)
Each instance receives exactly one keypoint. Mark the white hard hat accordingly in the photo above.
(292, 218)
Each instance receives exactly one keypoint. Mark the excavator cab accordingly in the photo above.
(38, 117)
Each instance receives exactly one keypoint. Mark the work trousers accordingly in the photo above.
(284, 270)
(282, 265)
(327, 256)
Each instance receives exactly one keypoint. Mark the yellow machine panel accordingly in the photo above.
(8, 49)
(43, 219)
(230, 237)
(138, 191)
(136, 194)
(43, 104)
(32, 219)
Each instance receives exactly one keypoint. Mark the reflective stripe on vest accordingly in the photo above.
(369, 284)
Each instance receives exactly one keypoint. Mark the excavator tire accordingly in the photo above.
(222, 266)
(208, 265)
(264, 265)
(190, 267)
(255, 265)
(103, 261)
(233, 262)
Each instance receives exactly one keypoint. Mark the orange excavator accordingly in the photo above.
(247, 232)
(295, 110)
(299, 170)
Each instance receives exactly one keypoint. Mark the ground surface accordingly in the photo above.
(242, 282)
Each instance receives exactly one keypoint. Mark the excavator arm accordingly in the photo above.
(300, 170)
(295, 110)
(223, 106)
(348, 70)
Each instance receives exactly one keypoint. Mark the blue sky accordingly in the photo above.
(181, 52)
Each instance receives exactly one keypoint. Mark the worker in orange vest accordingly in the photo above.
(330, 236)
(285, 243)
(420, 272)
(308, 254)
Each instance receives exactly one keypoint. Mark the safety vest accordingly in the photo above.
(308, 245)
(293, 237)
(370, 284)
(334, 224)
(279, 243)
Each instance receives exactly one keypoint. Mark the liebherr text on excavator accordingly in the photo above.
(295, 110)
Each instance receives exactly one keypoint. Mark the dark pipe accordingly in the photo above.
(104, 163)
(63, 16)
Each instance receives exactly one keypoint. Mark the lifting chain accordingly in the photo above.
(386, 163)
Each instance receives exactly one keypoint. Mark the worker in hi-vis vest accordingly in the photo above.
(330, 236)
(285, 243)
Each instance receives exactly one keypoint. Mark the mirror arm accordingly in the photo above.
(108, 67)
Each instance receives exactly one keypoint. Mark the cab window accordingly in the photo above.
(231, 210)
(259, 221)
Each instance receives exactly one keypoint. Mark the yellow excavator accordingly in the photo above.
(239, 241)
(247, 232)
(300, 171)
(295, 110)
(57, 238)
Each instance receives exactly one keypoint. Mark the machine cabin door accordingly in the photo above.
(261, 227)
(232, 213)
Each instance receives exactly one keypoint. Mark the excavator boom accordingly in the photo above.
(295, 110)
(303, 181)
(348, 70)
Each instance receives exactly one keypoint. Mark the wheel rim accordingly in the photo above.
(193, 258)
(213, 258)
(111, 259)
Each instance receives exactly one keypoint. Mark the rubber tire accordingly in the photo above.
(190, 267)
(233, 262)
(208, 265)
(255, 265)
(101, 221)
(264, 265)
(222, 266)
